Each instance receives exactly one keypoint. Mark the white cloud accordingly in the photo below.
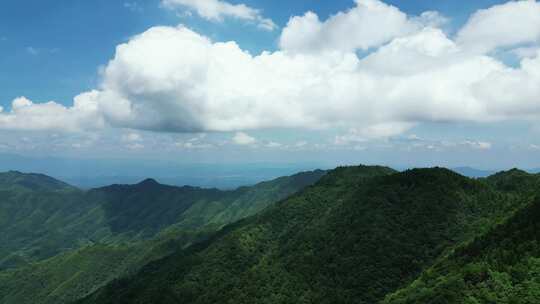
(504, 25)
(194, 145)
(526, 52)
(431, 19)
(273, 144)
(243, 139)
(217, 10)
(301, 144)
(26, 115)
(369, 24)
(384, 130)
(173, 79)
(422, 77)
(132, 137)
(479, 145)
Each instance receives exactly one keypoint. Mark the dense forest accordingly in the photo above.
(363, 234)
(501, 266)
(60, 243)
(356, 236)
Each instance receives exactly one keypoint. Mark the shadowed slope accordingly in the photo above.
(113, 231)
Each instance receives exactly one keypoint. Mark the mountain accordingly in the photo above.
(61, 243)
(88, 173)
(501, 266)
(147, 208)
(355, 236)
(35, 182)
(36, 216)
(473, 172)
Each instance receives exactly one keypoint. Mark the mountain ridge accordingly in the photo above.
(116, 229)
(352, 234)
(326, 244)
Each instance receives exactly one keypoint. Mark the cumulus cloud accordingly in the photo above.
(526, 52)
(431, 19)
(504, 25)
(30, 116)
(346, 31)
(243, 139)
(195, 143)
(173, 79)
(372, 132)
(217, 10)
(479, 145)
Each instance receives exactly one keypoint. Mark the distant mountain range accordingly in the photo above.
(472, 172)
(361, 234)
(93, 173)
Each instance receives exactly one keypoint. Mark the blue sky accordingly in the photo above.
(54, 51)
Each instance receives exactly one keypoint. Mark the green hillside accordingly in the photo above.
(501, 266)
(38, 217)
(357, 235)
(64, 243)
(69, 276)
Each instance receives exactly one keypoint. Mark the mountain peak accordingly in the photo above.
(31, 181)
(149, 182)
(515, 172)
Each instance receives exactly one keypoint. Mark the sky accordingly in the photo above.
(400, 83)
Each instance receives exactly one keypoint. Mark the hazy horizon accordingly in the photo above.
(91, 173)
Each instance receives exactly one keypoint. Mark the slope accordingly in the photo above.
(353, 237)
(36, 216)
(501, 266)
(125, 227)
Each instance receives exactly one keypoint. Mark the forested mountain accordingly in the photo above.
(501, 266)
(39, 217)
(60, 243)
(353, 235)
(357, 235)
(31, 181)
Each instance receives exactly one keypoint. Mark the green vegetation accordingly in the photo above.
(354, 235)
(501, 266)
(60, 243)
(357, 235)
(40, 217)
